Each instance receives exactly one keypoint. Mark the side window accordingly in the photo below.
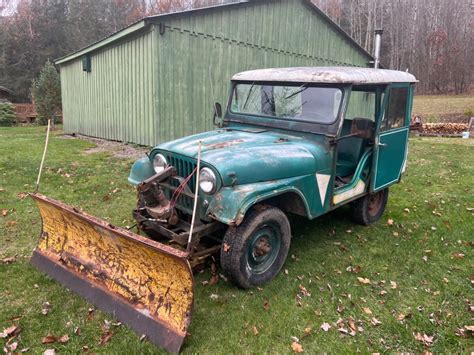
(361, 105)
(396, 110)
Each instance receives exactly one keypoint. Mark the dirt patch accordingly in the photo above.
(117, 149)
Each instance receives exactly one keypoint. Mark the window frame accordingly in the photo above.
(287, 119)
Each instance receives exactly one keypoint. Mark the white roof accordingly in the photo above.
(330, 75)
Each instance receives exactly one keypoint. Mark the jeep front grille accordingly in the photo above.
(184, 166)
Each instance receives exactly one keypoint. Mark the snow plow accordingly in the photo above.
(144, 284)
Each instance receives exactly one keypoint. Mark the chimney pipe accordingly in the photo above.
(378, 44)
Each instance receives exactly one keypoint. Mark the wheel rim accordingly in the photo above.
(263, 248)
(375, 203)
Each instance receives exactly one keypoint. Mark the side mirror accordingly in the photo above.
(217, 114)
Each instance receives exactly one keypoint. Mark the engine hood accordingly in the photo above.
(243, 157)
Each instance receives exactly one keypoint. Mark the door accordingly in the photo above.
(392, 137)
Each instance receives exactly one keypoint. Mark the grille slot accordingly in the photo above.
(184, 168)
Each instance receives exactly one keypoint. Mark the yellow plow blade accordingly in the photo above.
(144, 284)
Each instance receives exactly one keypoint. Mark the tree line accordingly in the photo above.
(431, 38)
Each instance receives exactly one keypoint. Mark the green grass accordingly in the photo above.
(433, 108)
(437, 191)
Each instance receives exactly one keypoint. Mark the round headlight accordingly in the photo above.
(207, 181)
(159, 163)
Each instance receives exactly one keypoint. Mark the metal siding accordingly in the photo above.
(255, 36)
(154, 88)
(116, 100)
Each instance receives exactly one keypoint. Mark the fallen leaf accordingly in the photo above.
(13, 346)
(255, 330)
(142, 337)
(77, 331)
(354, 269)
(63, 339)
(226, 248)
(308, 330)
(383, 293)
(425, 339)
(24, 350)
(266, 305)
(22, 195)
(49, 352)
(469, 328)
(213, 296)
(2, 189)
(10, 331)
(8, 260)
(105, 338)
(325, 326)
(458, 255)
(4, 212)
(375, 322)
(46, 308)
(352, 324)
(393, 285)
(48, 339)
(390, 222)
(407, 210)
(214, 279)
(297, 348)
(367, 310)
(364, 281)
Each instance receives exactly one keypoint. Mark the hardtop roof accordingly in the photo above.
(329, 75)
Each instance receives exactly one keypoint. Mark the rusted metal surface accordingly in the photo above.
(145, 284)
(327, 75)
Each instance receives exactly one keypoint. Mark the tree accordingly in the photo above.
(7, 114)
(46, 92)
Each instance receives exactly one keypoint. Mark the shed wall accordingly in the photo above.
(196, 50)
(153, 87)
(116, 100)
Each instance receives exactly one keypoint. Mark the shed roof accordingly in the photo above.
(4, 89)
(330, 75)
(147, 21)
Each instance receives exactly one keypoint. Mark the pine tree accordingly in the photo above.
(7, 114)
(46, 92)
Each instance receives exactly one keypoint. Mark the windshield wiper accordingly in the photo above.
(248, 96)
(297, 92)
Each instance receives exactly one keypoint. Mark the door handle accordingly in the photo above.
(382, 144)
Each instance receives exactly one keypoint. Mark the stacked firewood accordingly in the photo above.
(444, 128)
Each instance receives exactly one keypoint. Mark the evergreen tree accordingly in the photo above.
(7, 114)
(46, 92)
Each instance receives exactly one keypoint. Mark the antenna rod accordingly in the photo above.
(44, 156)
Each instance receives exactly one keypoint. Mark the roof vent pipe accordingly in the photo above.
(378, 44)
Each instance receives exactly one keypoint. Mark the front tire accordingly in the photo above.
(369, 208)
(254, 252)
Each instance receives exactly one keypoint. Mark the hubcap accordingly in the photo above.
(263, 248)
(375, 202)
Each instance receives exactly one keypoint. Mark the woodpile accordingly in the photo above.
(444, 128)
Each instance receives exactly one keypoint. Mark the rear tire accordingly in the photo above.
(370, 208)
(254, 252)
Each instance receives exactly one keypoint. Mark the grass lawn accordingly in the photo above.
(433, 108)
(419, 267)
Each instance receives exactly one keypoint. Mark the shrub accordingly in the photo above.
(7, 114)
(469, 112)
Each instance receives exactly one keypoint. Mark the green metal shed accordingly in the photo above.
(151, 82)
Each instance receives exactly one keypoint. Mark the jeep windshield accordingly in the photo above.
(287, 102)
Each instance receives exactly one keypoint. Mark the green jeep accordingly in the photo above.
(291, 140)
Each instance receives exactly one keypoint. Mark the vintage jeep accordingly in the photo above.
(292, 140)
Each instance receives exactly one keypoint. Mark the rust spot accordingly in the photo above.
(224, 144)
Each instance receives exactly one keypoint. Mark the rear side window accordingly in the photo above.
(396, 111)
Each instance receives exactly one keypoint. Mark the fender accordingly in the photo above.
(141, 170)
(230, 204)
